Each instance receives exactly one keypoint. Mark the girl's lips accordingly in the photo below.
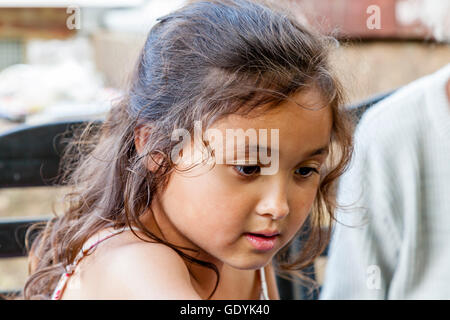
(260, 242)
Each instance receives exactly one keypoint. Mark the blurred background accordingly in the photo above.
(68, 60)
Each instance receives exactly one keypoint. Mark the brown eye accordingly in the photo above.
(306, 171)
(247, 170)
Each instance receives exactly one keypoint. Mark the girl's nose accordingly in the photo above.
(274, 203)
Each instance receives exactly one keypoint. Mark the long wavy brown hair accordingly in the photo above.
(203, 62)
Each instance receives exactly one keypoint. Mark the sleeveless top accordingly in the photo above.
(86, 249)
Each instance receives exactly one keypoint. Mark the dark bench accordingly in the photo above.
(29, 157)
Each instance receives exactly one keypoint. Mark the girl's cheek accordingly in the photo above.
(298, 221)
(304, 207)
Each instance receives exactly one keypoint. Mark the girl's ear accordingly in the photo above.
(141, 135)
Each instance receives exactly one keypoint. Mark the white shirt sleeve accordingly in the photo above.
(364, 247)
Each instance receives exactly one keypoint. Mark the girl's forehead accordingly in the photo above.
(290, 128)
(303, 109)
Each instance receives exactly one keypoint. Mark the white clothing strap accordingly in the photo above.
(264, 292)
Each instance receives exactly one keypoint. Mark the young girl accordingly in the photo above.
(140, 225)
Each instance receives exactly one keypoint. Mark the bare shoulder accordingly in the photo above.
(141, 270)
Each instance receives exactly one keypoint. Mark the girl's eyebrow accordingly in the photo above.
(255, 148)
(320, 151)
(324, 150)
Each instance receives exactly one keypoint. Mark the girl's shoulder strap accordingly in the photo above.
(100, 238)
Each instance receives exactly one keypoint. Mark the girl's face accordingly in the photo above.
(220, 210)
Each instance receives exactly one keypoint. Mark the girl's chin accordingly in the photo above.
(251, 264)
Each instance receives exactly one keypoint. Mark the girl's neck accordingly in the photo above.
(234, 283)
(203, 279)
